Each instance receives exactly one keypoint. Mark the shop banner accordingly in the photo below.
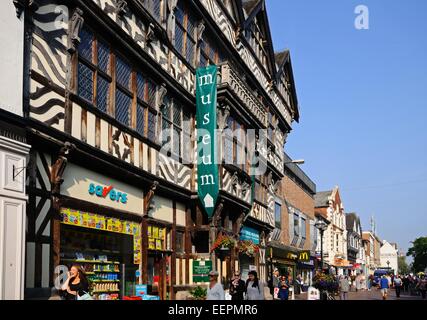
(201, 271)
(94, 221)
(250, 234)
(207, 164)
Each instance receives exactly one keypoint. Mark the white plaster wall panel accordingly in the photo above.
(104, 135)
(11, 58)
(46, 105)
(136, 153)
(180, 214)
(145, 158)
(76, 125)
(91, 129)
(163, 209)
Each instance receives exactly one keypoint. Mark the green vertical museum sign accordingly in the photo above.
(207, 164)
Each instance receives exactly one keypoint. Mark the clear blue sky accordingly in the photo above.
(363, 105)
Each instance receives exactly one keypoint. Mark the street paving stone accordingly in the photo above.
(374, 294)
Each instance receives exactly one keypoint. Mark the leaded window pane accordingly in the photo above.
(166, 131)
(85, 46)
(152, 88)
(228, 151)
(190, 51)
(156, 9)
(177, 115)
(187, 123)
(123, 102)
(186, 147)
(102, 93)
(123, 72)
(140, 85)
(179, 38)
(179, 13)
(103, 57)
(85, 82)
(140, 120)
(176, 141)
(152, 117)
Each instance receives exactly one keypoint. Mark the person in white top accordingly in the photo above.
(215, 289)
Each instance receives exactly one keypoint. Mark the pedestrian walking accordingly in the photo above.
(397, 285)
(215, 289)
(237, 287)
(384, 286)
(405, 282)
(76, 285)
(284, 286)
(274, 283)
(344, 286)
(254, 287)
(297, 284)
(422, 286)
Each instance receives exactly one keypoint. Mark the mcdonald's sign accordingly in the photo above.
(304, 256)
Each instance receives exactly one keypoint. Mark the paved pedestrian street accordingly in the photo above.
(374, 294)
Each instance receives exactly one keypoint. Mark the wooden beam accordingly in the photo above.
(173, 256)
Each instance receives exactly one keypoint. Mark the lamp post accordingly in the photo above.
(321, 226)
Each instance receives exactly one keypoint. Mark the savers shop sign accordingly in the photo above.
(108, 192)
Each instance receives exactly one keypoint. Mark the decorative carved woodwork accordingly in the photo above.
(149, 197)
(121, 7)
(150, 36)
(171, 19)
(162, 92)
(76, 23)
(58, 168)
(19, 6)
(223, 114)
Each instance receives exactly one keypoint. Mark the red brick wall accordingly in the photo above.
(299, 199)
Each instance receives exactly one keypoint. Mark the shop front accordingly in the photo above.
(99, 229)
(306, 268)
(249, 251)
(284, 259)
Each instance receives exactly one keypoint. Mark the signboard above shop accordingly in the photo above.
(250, 234)
(89, 186)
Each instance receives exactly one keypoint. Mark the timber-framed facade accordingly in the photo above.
(104, 79)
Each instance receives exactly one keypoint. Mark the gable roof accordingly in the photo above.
(249, 6)
(321, 199)
(283, 62)
(352, 219)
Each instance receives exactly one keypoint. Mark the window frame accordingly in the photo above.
(136, 101)
(187, 12)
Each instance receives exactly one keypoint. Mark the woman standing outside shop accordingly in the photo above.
(254, 287)
(237, 287)
(76, 284)
(215, 289)
(283, 288)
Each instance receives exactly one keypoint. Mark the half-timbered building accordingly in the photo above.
(104, 80)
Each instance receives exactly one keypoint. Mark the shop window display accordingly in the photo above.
(107, 250)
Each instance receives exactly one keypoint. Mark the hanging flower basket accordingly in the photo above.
(224, 243)
(248, 248)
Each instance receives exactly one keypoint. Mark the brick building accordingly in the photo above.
(294, 239)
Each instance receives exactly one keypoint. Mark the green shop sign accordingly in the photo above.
(201, 270)
(207, 164)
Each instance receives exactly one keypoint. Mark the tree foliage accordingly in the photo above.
(403, 266)
(419, 254)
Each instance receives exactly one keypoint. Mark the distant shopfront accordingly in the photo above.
(306, 267)
(249, 250)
